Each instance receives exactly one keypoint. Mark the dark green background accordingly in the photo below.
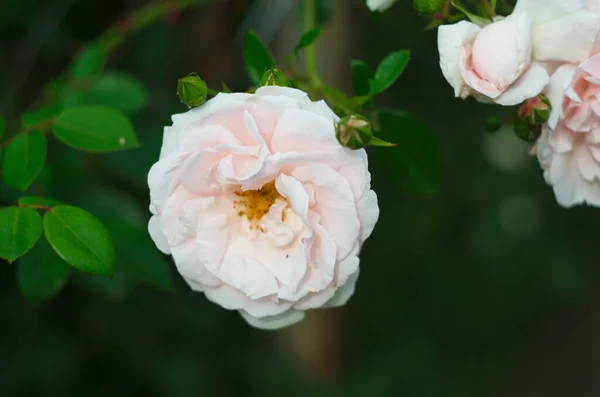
(488, 289)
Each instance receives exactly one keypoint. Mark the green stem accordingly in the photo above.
(489, 9)
(139, 19)
(310, 22)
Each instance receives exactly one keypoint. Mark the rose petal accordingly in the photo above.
(229, 298)
(555, 92)
(569, 38)
(451, 41)
(157, 235)
(531, 83)
(368, 213)
(343, 293)
(335, 202)
(284, 319)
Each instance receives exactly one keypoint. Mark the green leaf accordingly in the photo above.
(429, 6)
(257, 57)
(225, 87)
(88, 62)
(476, 19)
(41, 274)
(95, 129)
(333, 95)
(380, 142)
(24, 159)
(307, 39)
(37, 116)
(120, 91)
(80, 239)
(138, 254)
(415, 162)
(36, 201)
(388, 71)
(361, 74)
(2, 125)
(20, 228)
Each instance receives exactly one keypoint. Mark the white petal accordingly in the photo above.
(547, 10)
(282, 320)
(173, 135)
(245, 274)
(274, 90)
(315, 300)
(451, 41)
(302, 131)
(531, 83)
(343, 293)
(368, 213)
(555, 91)
(232, 299)
(292, 189)
(569, 38)
(569, 185)
(192, 269)
(335, 203)
(157, 235)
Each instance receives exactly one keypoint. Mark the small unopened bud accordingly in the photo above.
(275, 76)
(530, 116)
(526, 131)
(354, 132)
(192, 90)
(536, 110)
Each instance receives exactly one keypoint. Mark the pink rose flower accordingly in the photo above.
(261, 208)
(569, 147)
(504, 61)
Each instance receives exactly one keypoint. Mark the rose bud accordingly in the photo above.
(354, 132)
(275, 76)
(192, 90)
(535, 110)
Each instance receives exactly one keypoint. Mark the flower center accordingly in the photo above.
(254, 204)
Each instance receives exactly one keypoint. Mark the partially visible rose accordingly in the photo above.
(379, 5)
(505, 61)
(569, 147)
(261, 208)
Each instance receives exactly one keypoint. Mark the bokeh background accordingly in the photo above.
(487, 289)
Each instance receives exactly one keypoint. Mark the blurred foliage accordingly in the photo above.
(487, 288)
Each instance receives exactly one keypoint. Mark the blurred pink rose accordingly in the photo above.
(569, 147)
(260, 206)
(505, 61)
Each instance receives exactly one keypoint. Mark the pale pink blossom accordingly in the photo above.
(261, 208)
(569, 147)
(506, 61)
